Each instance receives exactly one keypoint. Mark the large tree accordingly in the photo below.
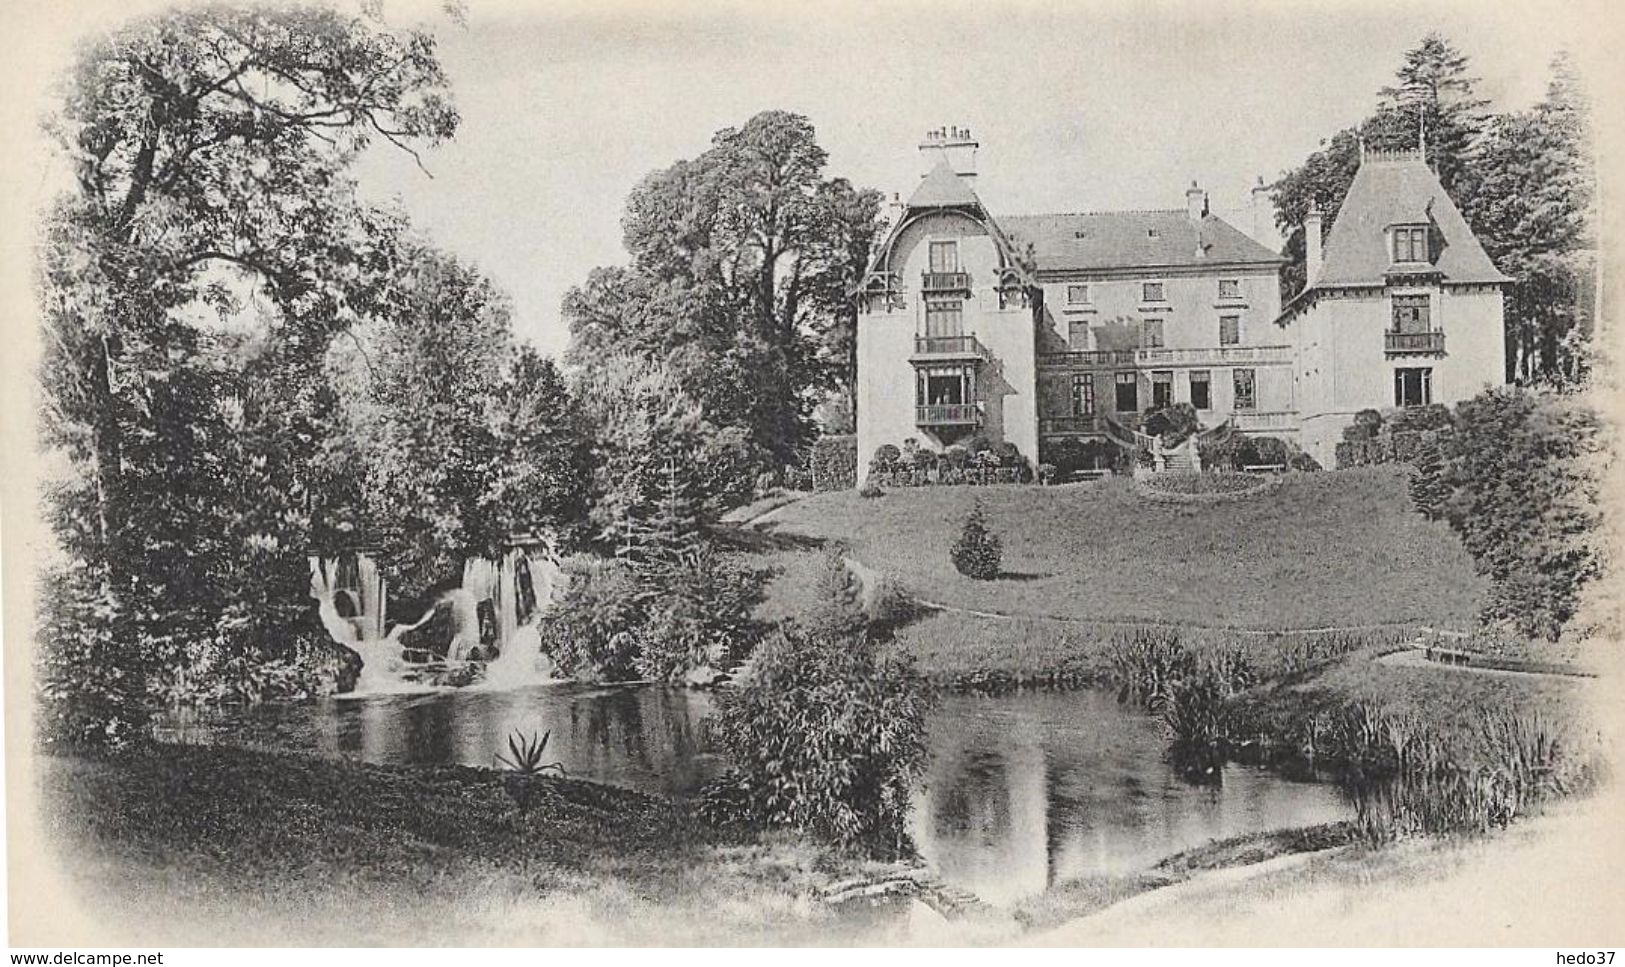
(210, 149)
(1533, 206)
(742, 260)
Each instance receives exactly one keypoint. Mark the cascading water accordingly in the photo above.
(529, 585)
(383, 663)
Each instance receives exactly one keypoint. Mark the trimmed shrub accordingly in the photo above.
(834, 463)
(1434, 416)
(871, 488)
(1371, 420)
(977, 552)
(828, 741)
(886, 457)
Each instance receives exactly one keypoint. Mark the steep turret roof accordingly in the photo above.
(942, 188)
(1398, 188)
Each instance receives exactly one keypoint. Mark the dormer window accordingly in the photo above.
(1410, 243)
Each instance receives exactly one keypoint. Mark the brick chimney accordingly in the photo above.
(1263, 212)
(1195, 202)
(953, 143)
(1312, 245)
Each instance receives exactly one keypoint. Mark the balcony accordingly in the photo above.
(1070, 424)
(933, 348)
(945, 282)
(948, 414)
(1400, 343)
(1104, 357)
(1213, 356)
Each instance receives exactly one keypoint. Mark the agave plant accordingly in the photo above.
(523, 766)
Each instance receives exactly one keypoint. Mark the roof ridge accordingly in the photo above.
(1100, 211)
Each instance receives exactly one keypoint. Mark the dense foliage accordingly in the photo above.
(247, 363)
(741, 261)
(828, 740)
(192, 281)
(1518, 480)
(977, 552)
(835, 463)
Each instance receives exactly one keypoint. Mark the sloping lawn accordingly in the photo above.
(1341, 548)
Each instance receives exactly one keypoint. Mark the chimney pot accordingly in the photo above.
(1312, 245)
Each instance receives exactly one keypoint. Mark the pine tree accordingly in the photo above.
(977, 553)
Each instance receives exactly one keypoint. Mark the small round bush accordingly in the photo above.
(871, 489)
(977, 553)
(885, 456)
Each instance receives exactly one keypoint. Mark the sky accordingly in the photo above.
(1078, 106)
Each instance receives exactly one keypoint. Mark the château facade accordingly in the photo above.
(1039, 328)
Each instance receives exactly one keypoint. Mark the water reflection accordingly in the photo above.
(1025, 791)
(1022, 791)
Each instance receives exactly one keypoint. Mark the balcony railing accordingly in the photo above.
(1413, 342)
(1264, 419)
(948, 414)
(1070, 424)
(1213, 355)
(940, 347)
(945, 281)
(1103, 357)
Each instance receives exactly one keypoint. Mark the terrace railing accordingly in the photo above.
(1213, 355)
(1070, 424)
(948, 414)
(947, 347)
(945, 282)
(1413, 342)
(1074, 360)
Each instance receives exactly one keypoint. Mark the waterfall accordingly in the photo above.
(529, 585)
(382, 662)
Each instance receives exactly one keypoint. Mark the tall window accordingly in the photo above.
(1413, 387)
(1201, 389)
(1151, 292)
(1229, 288)
(1229, 330)
(1410, 313)
(1410, 243)
(1077, 334)
(944, 319)
(1153, 334)
(945, 256)
(1246, 386)
(1083, 394)
(1162, 388)
(1076, 294)
(1128, 392)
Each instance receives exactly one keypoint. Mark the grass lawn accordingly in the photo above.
(1340, 548)
(217, 845)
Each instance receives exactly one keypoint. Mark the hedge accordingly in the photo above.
(835, 462)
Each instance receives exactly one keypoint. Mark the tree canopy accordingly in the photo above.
(741, 261)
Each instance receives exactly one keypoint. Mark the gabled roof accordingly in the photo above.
(1133, 239)
(943, 188)
(1398, 188)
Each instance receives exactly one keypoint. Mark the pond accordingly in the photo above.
(1023, 791)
